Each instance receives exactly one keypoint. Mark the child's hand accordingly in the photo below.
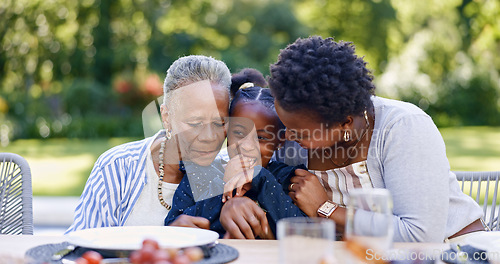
(238, 174)
(242, 218)
(191, 221)
(241, 185)
(238, 164)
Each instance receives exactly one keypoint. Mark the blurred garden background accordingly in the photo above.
(76, 75)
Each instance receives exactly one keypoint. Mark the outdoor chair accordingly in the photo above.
(16, 197)
(483, 184)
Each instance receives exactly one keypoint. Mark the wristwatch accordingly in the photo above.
(327, 209)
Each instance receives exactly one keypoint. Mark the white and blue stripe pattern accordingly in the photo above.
(113, 187)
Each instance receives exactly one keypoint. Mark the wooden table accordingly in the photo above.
(251, 251)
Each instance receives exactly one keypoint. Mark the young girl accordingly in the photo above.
(253, 135)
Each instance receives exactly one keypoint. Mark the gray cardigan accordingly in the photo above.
(407, 156)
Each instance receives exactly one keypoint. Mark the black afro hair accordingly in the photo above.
(322, 77)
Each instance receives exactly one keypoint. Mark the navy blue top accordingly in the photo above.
(200, 193)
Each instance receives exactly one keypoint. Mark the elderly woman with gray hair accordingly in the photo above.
(133, 184)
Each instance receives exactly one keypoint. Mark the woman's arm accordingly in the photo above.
(93, 209)
(308, 194)
(415, 170)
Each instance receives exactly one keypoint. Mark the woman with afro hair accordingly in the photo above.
(324, 95)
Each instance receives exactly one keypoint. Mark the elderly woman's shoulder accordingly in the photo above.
(130, 151)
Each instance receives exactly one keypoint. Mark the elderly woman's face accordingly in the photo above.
(196, 118)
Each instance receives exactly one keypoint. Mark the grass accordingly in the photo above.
(473, 148)
(60, 167)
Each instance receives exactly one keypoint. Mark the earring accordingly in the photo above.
(347, 136)
(279, 147)
(168, 135)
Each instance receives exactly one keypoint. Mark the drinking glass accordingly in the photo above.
(305, 240)
(369, 227)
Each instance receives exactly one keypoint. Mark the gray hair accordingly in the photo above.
(194, 68)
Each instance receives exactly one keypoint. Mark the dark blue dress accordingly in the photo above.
(200, 193)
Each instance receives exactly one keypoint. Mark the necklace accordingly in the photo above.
(349, 152)
(162, 173)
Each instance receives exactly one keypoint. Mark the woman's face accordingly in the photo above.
(305, 129)
(253, 132)
(196, 118)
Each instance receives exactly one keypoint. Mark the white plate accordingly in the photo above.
(488, 241)
(131, 237)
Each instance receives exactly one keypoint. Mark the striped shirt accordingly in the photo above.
(113, 187)
(337, 182)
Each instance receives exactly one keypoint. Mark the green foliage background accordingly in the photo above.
(87, 68)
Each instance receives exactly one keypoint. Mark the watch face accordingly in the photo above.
(328, 206)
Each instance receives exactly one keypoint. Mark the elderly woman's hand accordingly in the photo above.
(191, 221)
(307, 192)
(243, 218)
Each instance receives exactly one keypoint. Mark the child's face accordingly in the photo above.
(253, 132)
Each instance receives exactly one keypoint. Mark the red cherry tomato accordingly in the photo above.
(135, 257)
(163, 262)
(151, 242)
(147, 253)
(161, 255)
(92, 257)
(81, 261)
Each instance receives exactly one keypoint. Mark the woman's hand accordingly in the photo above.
(243, 218)
(238, 175)
(191, 221)
(307, 192)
